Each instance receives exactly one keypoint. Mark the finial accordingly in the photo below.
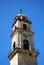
(20, 11)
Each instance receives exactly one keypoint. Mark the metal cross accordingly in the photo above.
(20, 11)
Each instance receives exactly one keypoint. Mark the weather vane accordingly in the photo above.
(20, 11)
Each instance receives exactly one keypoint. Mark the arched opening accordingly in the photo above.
(13, 46)
(25, 44)
(24, 26)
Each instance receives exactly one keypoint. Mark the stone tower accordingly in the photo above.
(23, 51)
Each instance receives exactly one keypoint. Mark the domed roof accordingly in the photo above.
(21, 17)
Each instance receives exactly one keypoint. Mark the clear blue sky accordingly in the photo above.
(34, 10)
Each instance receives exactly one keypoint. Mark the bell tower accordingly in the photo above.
(23, 51)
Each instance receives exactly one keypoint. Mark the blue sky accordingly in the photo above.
(34, 10)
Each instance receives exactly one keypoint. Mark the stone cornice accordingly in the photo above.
(22, 30)
(20, 50)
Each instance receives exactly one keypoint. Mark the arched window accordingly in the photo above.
(25, 26)
(15, 27)
(25, 44)
(13, 46)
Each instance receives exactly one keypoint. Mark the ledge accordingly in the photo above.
(20, 50)
(20, 29)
